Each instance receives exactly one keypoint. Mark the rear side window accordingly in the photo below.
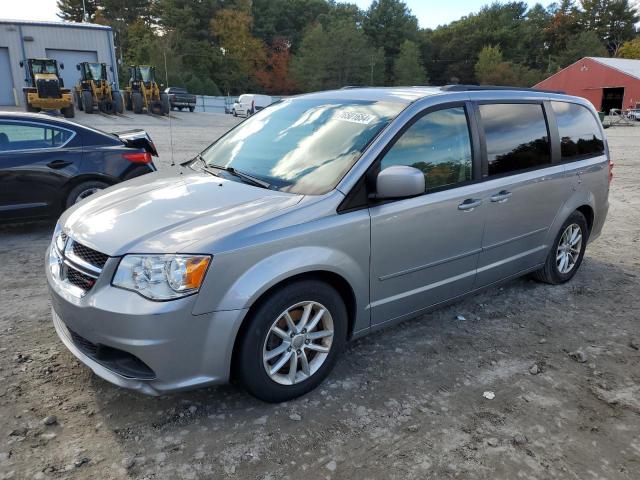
(516, 135)
(579, 132)
(23, 136)
(439, 145)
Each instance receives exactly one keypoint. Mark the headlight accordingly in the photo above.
(161, 277)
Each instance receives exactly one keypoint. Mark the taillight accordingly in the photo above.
(138, 157)
(611, 165)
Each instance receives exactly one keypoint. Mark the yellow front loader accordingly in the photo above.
(94, 90)
(143, 93)
(45, 89)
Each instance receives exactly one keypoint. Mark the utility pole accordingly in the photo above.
(166, 72)
(372, 64)
(84, 12)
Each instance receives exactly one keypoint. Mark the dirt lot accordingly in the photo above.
(404, 403)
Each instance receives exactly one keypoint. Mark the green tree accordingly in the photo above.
(584, 44)
(333, 57)
(388, 23)
(408, 69)
(492, 69)
(74, 10)
(244, 55)
(630, 49)
(612, 20)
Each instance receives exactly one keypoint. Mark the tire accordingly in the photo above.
(257, 340)
(87, 101)
(68, 112)
(118, 102)
(136, 102)
(127, 101)
(235, 114)
(191, 109)
(106, 106)
(166, 106)
(554, 271)
(77, 100)
(84, 190)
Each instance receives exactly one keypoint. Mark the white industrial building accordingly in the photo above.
(68, 43)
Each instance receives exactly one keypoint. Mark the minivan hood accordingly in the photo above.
(165, 212)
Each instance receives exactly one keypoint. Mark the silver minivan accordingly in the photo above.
(318, 219)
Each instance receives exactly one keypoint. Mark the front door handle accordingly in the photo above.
(469, 204)
(57, 164)
(501, 197)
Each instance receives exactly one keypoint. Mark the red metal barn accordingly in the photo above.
(606, 82)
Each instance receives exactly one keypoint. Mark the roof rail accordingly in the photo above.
(471, 88)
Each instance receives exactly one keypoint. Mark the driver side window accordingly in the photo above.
(438, 144)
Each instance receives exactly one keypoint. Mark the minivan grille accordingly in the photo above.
(76, 266)
(90, 255)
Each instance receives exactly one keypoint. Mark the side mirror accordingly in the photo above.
(21, 64)
(399, 181)
(62, 66)
(78, 67)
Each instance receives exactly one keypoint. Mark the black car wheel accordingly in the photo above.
(87, 101)
(567, 251)
(136, 102)
(84, 190)
(191, 109)
(292, 341)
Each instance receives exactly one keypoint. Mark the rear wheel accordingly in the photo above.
(191, 109)
(87, 101)
(136, 102)
(234, 112)
(68, 112)
(292, 341)
(118, 102)
(77, 99)
(84, 190)
(166, 106)
(127, 101)
(567, 251)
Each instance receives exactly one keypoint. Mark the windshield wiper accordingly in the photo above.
(244, 176)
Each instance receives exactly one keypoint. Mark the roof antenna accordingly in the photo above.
(173, 162)
(166, 79)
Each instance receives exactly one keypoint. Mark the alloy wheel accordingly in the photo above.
(298, 343)
(569, 248)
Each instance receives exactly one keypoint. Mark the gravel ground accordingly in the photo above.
(536, 382)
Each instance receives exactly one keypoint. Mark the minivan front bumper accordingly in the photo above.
(151, 347)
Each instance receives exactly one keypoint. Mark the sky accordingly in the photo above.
(430, 13)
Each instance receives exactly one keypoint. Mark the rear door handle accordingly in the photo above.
(501, 197)
(469, 204)
(57, 164)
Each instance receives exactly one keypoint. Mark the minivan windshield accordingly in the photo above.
(302, 145)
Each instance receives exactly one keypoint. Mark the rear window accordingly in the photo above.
(579, 131)
(516, 136)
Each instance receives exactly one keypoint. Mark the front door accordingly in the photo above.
(424, 250)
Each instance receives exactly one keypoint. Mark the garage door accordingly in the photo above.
(71, 58)
(6, 80)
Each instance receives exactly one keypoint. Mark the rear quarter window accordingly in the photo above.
(580, 134)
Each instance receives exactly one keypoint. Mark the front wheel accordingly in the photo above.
(191, 109)
(292, 341)
(68, 112)
(567, 251)
(118, 102)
